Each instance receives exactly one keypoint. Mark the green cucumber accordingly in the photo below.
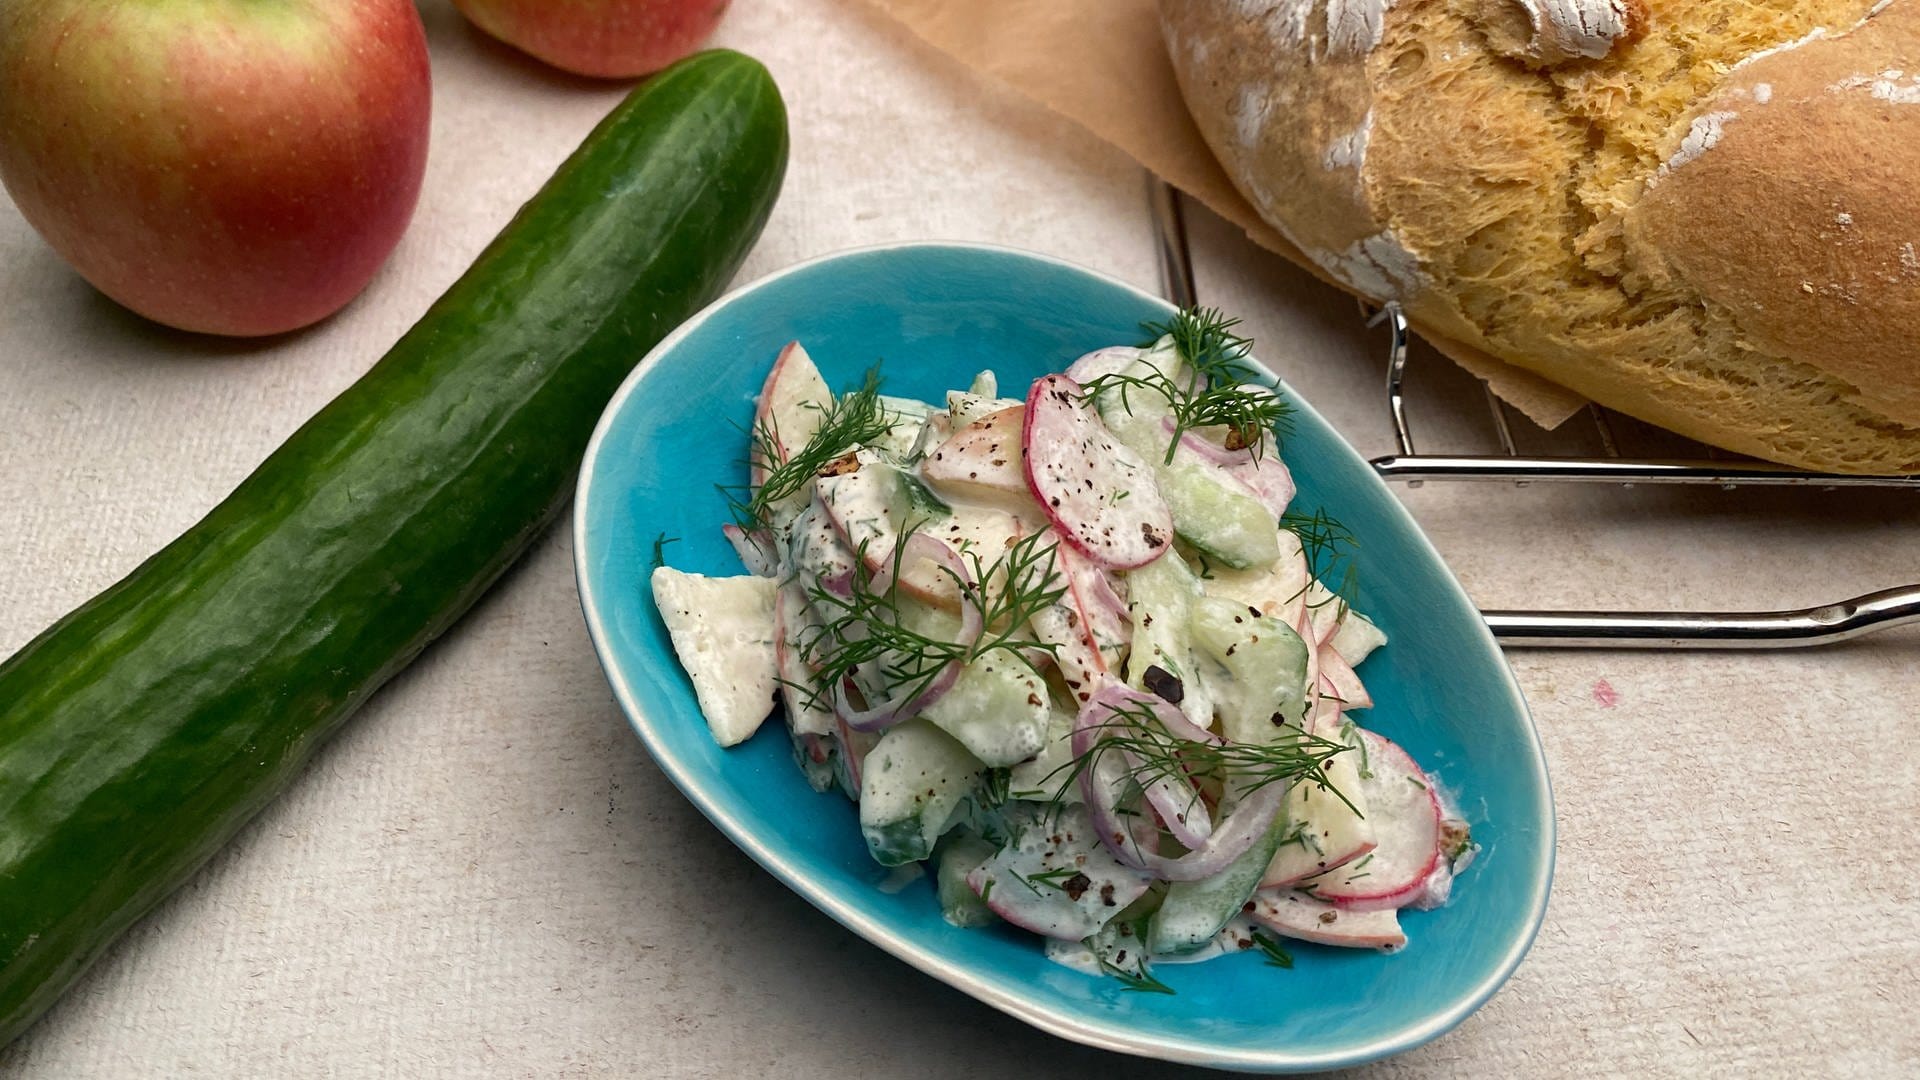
(1194, 911)
(143, 730)
(922, 504)
(960, 855)
(908, 417)
(1221, 520)
(912, 785)
(1160, 599)
(1265, 662)
(997, 708)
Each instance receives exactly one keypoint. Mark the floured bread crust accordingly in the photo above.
(1695, 211)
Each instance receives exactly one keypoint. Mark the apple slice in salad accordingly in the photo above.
(1078, 650)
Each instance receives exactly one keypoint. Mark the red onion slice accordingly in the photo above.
(1102, 784)
(1178, 804)
(972, 625)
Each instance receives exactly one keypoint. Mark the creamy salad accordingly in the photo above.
(1075, 650)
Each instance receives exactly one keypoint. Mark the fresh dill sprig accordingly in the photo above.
(1055, 879)
(1277, 956)
(869, 631)
(1329, 547)
(857, 419)
(660, 543)
(1350, 734)
(1152, 754)
(1216, 393)
(995, 787)
(1139, 979)
(1204, 337)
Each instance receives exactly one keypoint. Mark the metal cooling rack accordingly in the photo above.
(1806, 627)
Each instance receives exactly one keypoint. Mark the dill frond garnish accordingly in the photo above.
(660, 543)
(1329, 547)
(1276, 955)
(1137, 979)
(857, 419)
(1055, 879)
(996, 788)
(1216, 394)
(871, 632)
(1151, 753)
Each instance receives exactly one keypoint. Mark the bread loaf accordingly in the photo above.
(1704, 213)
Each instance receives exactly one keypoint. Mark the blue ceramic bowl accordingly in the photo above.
(935, 314)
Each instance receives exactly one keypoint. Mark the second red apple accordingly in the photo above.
(609, 39)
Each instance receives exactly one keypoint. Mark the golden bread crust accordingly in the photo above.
(1589, 189)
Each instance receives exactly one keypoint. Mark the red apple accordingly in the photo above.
(228, 166)
(609, 39)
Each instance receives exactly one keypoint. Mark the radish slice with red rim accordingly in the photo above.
(1338, 680)
(1297, 915)
(1088, 628)
(1099, 363)
(755, 548)
(1406, 822)
(1098, 493)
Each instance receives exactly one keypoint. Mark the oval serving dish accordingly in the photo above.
(935, 314)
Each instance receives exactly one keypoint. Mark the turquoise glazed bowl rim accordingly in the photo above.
(1529, 870)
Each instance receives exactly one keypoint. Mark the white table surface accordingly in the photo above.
(485, 876)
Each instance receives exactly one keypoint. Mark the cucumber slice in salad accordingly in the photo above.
(1054, 878)
(960, 855)
(1160, 601)
(1047, 777)
(1193, 912)
(911, 784)
(1212, 511)
(1215, 515)
(997, 709)
(908, 417)
(1265, 669)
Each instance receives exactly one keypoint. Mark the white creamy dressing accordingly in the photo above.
(1235, 937)
(1075, 955)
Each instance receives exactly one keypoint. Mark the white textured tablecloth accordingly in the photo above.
(484, 876)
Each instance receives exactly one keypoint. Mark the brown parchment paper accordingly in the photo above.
(1100, 63)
